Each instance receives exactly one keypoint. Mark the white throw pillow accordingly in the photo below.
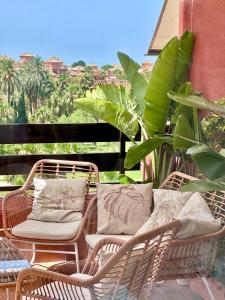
(122, 209)
(167, 205)
(58, 200)
(197, 218)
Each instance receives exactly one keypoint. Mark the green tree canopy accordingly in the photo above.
(8, 78)
(79, 63)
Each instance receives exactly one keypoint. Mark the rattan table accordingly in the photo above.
(11, 262)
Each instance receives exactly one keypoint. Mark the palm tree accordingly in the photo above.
(8, 78)
(34, 76)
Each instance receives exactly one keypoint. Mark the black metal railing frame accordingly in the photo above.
(61, 133)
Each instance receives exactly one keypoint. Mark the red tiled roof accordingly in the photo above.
(26, 55)
(54, 59)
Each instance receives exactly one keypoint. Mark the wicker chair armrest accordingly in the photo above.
(35, 283)
(85, 219)
(104, 245)
(15, 208)
(199, 238)
(89, 223)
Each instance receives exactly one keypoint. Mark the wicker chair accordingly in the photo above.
(186, 258)
(191, 257)
(127, 274)
(18, 204)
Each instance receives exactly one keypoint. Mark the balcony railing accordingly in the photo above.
(61, 133)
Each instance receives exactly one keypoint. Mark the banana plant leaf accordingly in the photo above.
(111, 113)
(137, 81)
(203, 186)
(124, 179)
(137, 153)
(186, 89)
(96, 93)
(210, 163)
(184, 58)
(198, 102)
(161, 81)
(183, 134)
(119, 95)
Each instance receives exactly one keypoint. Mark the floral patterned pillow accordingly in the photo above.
(122, 209)
(52, 195)
(167, 205)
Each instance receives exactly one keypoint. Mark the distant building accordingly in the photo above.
(146, 67)
(96, 71)
(25, 57)
(55, 66)
(76, 71)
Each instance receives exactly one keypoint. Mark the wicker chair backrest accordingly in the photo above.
(215, 199)
(136, 262)
(64, 169)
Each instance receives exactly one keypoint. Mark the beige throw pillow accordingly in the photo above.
(197, 218)
(122, 209)
(58, 200)
(167, 205)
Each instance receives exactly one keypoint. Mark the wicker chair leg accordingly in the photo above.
(208, 288)
(7, 293)
(77, 257)
(33, 254)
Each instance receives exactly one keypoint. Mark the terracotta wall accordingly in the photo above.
(206, 18)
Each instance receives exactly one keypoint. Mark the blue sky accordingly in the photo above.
(92, 30)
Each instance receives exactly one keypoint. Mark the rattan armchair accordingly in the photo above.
(127, 274)
(188, 257)
(18, 204)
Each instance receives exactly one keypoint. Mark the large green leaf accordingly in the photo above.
(137, 81)
(197, 102)
(120, 95)
(185, 89)
(210, 163)
(203, 186)
(111, 113)
(161, 81)
(183, 134)
(124, 179)
(137, 153)
(184, 58)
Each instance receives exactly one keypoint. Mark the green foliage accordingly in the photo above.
(197, 102)
(21, 114)
(112, 113)
(9, 80)
(78, 63)
(7, 113)
(137, 153)
(161, 81)
(137, 81)
(214, 129)
(209, 162)
(34, 76)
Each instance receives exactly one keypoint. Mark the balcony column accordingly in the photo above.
(206, 18)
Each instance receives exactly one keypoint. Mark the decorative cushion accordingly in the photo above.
(54, 198)
(167, 205)
(93, 239)
(50, 231)
(197, 218)
(123, 208)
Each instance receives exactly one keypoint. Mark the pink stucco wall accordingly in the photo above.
(206, 18)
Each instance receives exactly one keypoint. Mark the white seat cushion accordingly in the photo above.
(93, 239)
(46, 230)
